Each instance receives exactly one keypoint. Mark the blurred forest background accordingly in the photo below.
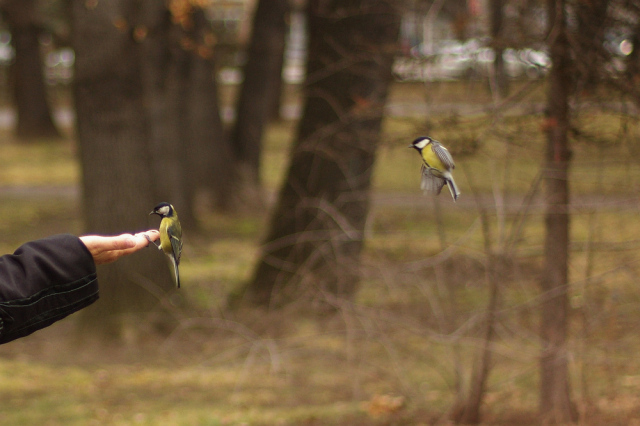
(320, 286)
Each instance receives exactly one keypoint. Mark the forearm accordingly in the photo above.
(42, 282)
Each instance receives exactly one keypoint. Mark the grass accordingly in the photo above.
(43, 162)
(395, 356)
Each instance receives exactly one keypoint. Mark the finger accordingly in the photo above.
(144, 238)
(108, 249)
(127, 243)
(139, 241)
(154, 234)
(121, 242)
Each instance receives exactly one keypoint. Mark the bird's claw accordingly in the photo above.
(150, 240)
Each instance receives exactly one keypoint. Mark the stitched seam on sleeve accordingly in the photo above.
(60, 312)
(36, 298)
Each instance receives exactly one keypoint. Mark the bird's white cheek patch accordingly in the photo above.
(422, 143)
(163, 210)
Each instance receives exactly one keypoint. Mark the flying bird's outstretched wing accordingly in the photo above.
(430, 182)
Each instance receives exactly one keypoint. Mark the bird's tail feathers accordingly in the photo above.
(453, 188)
(175, 270)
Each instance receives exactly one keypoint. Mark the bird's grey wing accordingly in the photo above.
(443, 155)
(430, 182)
(176, 244)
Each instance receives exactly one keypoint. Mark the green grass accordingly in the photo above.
(45, 162)
(413, 330)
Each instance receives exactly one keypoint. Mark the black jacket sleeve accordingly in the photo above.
(42, 282)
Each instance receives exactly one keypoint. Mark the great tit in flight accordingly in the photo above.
(170, 235)
(437, 167)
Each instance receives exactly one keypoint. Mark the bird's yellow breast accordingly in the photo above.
(165, 239)
(432, 159)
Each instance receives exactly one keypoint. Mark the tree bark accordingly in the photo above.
(498, 40)
(262, 84)
(590, 37)
(555, 394)
(209, 149)
(633, 60)
(29, 89)
(113, 136)
(316, 229)
(189, 151)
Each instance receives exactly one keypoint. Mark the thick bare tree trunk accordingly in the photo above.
(555, 395)
(316, 230)
(209, 153)
(633, 60)
(189, 150)
(29, 91)
(118, 190)
(499, 43)
(262, 84)
(590, 37)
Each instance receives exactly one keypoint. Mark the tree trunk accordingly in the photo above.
(29, 91)
(189, 151)
(555, 396)
(316, 230)
(633, 60)
(262, 84)
(210, 156)
(116, 170)
(501, 80)
(590, 37)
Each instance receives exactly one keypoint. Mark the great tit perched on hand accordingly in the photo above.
(437, 167)
(170, 235)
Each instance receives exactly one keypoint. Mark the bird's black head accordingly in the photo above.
(420, 143)
(163, 209)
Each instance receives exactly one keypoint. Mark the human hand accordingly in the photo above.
(107, 249)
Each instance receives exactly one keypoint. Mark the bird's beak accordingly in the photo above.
(410, 146)
(151, 213)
